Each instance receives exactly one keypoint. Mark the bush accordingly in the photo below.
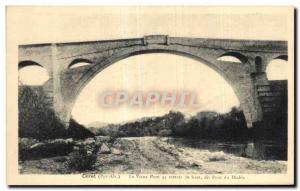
(82, 159)
(165, 133)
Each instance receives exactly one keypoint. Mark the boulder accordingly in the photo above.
(116, 151)
(189, 162)
(26, 143)
(217, 156)
(101, 139)
(36, 145)
(50, 148)
(89, 141)
(60, 141)
(104, 149)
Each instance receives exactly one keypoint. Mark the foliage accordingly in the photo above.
(82, 158)
(210, 125)
(36, 118)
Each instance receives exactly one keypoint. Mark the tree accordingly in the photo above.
(36, 117)
(176, 122)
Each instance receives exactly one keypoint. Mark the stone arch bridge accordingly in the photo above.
(246, 77)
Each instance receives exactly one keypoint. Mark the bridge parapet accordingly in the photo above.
(156, 39)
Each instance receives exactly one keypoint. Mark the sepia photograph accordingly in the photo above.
(150, 95)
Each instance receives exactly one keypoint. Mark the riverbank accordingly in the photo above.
(142, 155)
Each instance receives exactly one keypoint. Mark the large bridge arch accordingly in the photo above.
(98, 67)
(241, 87)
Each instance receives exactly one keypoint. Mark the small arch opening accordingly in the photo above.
(233, 57)
(32, 74)
(79, 63)
(282, 57)
(277, 69)
(28, 63)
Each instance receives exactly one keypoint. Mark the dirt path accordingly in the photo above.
(139, 155)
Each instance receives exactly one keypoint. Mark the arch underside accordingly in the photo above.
(26, 63)
(236, 74)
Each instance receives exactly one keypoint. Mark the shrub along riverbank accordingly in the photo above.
(209, 125)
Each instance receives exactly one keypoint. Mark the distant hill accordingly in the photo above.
(79, 131)
(97, 124)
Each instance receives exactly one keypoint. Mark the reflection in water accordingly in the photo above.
(258, 149)
(254, 150)
(269, 150)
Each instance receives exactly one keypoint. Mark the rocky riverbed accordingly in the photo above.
(134, 155)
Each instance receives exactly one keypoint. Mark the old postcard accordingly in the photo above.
(150, 95)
